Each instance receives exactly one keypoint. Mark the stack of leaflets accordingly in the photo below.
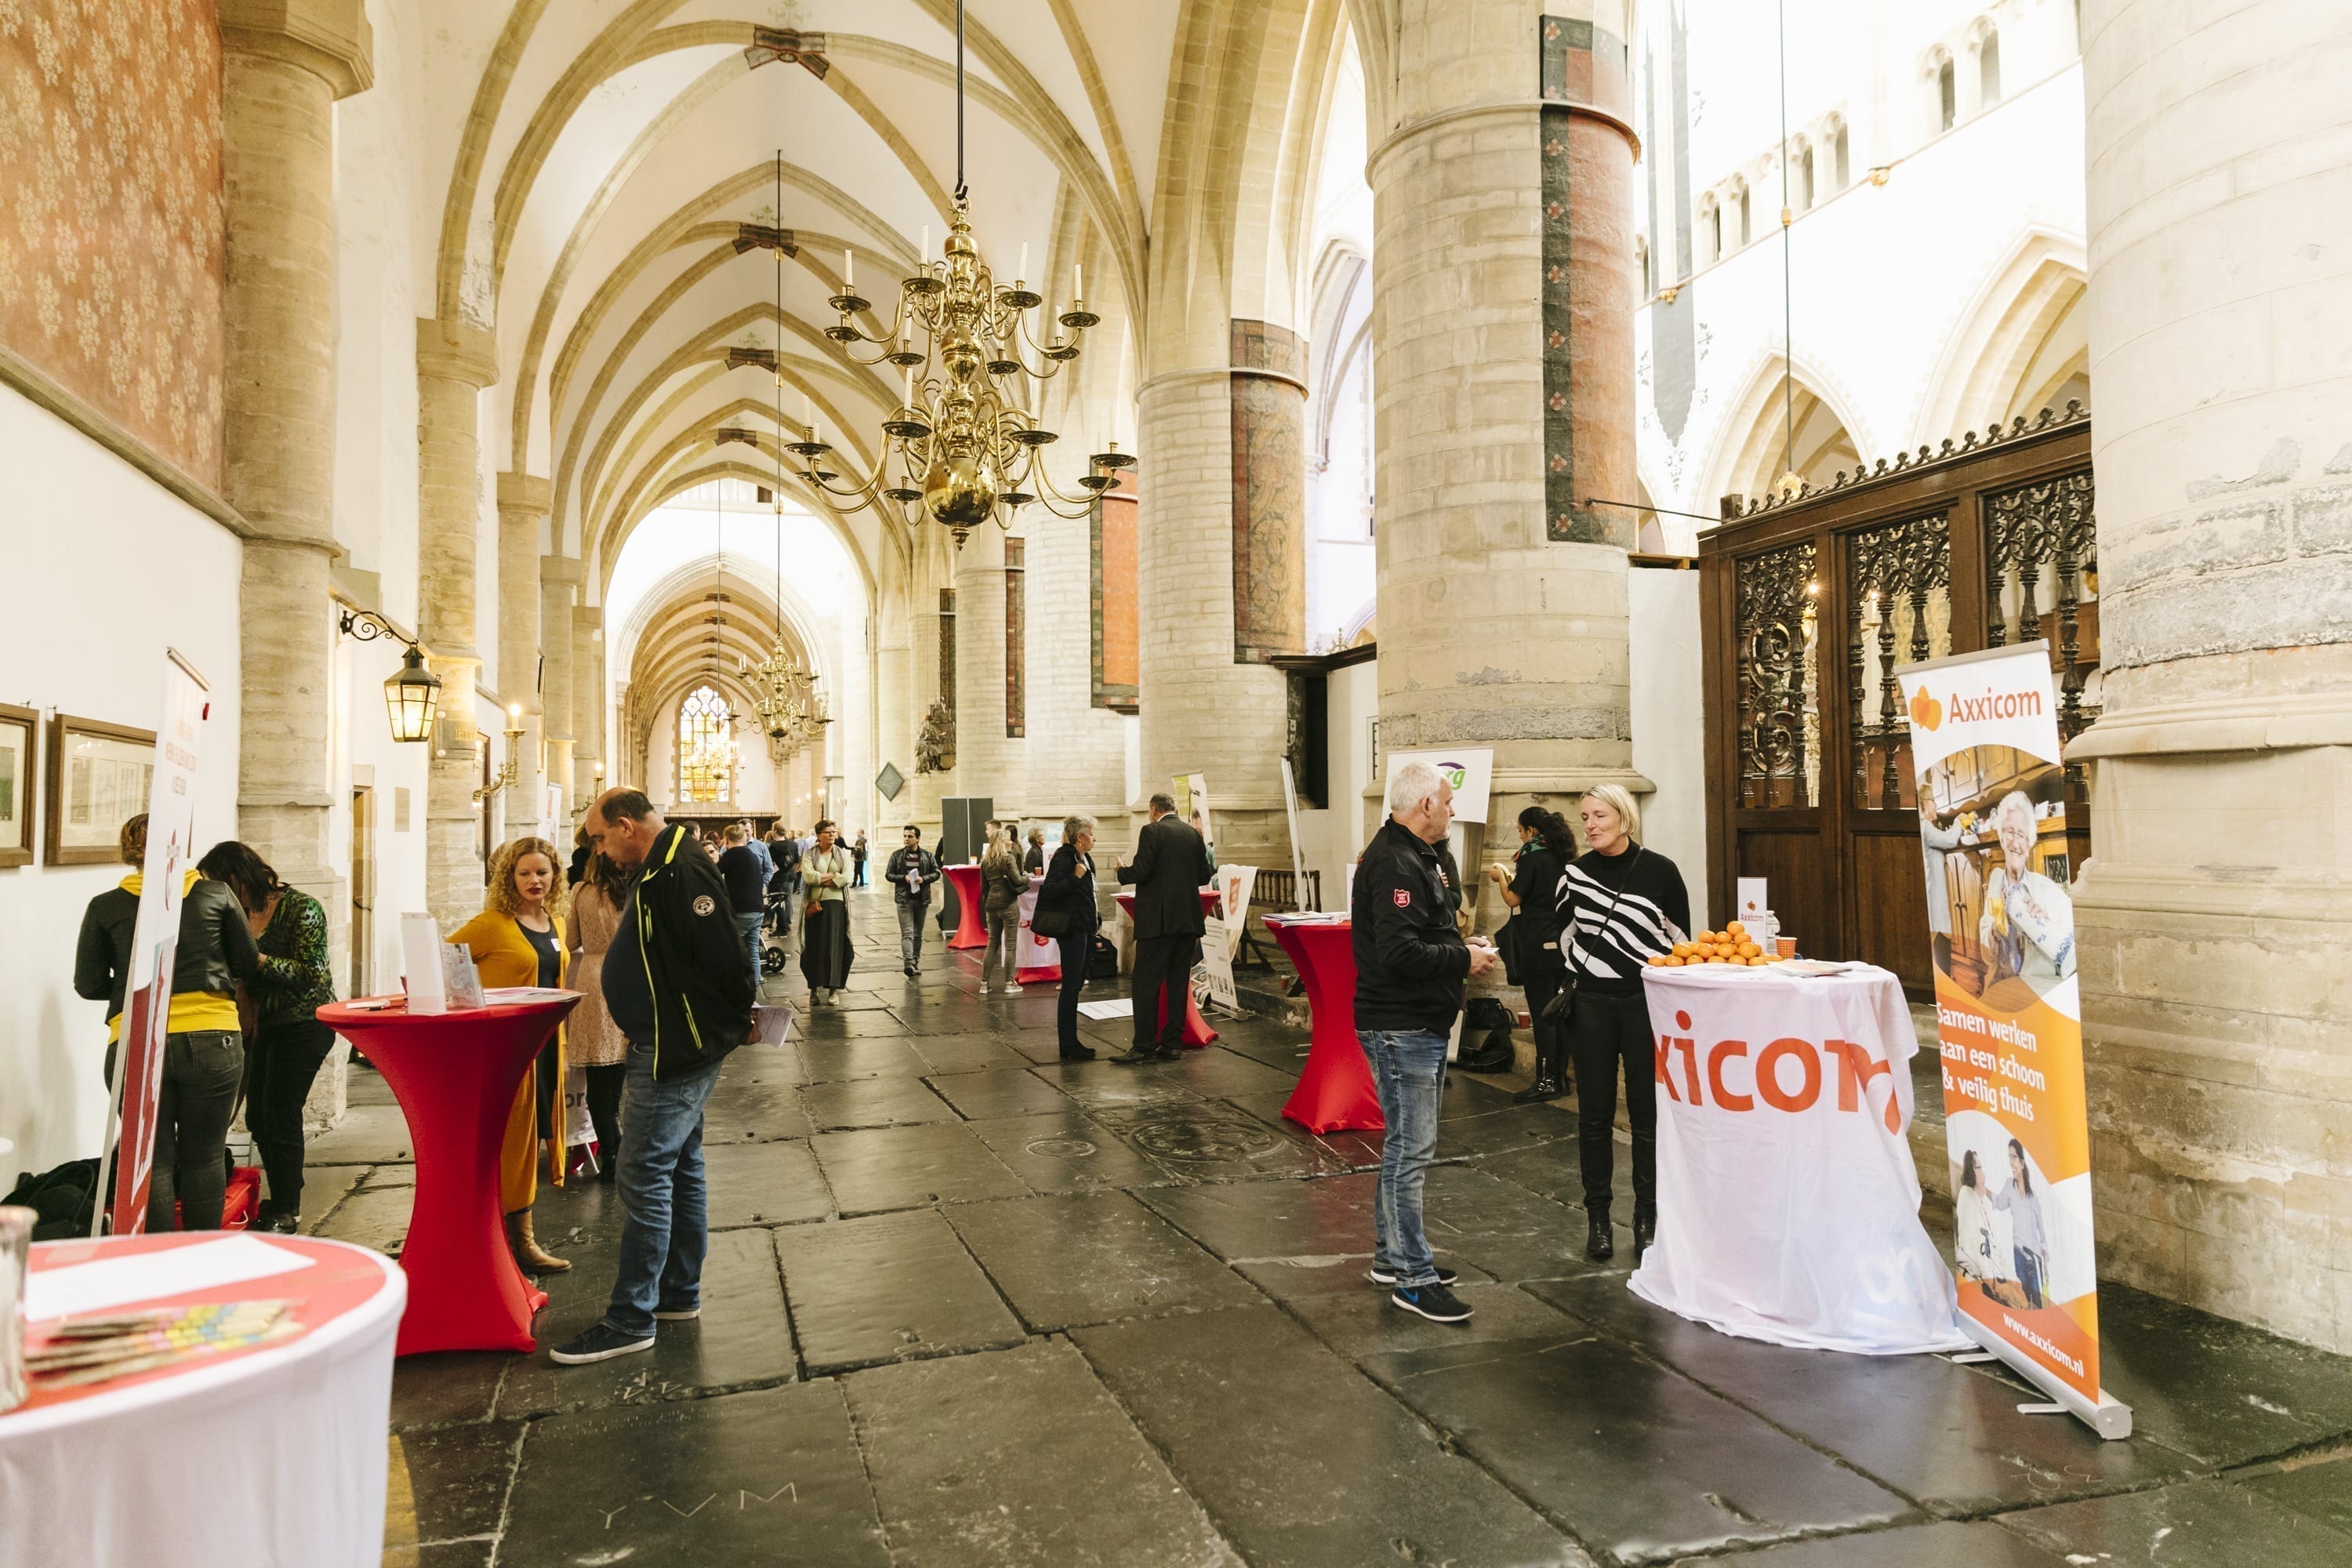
(99, 1346)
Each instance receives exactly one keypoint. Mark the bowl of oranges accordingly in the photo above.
(1731, 946)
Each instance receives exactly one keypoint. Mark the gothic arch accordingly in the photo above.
(1748, 453)
(2021, 340)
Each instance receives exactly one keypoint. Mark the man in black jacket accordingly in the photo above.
(913, 870)
(676, 984)
(1171, 864)
(1410, 962)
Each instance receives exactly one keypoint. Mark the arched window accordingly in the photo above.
(706, 748)
(1641, 259)
(1987, 70)
(1800, 178)
(1840, 169)
(1710, 227)
(1947, 102)
(1745, 231)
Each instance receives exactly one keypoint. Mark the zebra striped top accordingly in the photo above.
(1622, 909)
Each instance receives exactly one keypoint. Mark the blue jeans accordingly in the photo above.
(665, 1223)
(1409, 1068)
(749, 926)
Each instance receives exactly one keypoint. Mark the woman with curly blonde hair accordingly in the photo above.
(517, 939)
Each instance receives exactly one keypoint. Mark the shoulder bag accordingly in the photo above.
(1052, 920)
(1564, 1003)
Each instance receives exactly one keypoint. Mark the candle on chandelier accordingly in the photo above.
(1023, 275)
(848, 271)
(924, 256)
(1077, 282)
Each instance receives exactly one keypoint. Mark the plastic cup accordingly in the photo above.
(1788, 946)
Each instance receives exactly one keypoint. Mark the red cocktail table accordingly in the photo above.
(971, 929)
(1335, 1090)
(1197, 1033)
(455, 1075)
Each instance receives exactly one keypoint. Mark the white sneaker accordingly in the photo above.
(1014, 988)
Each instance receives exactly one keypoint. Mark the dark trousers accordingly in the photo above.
(1163, 963)
(201, 1072)
(547, 1088)
(1077, 952)
(604, 1086)
(1603, 1032)
(1542, 986)
(284, 1060)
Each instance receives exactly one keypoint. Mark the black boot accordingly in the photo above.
(1645, 1231)
(1549, 1083)
(1599, 1245)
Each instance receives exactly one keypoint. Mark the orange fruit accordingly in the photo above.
(1735, 929)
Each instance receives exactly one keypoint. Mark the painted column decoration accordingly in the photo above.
(1269, 403)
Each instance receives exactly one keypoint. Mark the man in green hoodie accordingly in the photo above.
(676, 984)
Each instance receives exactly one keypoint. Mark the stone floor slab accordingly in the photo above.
(768, 1477)
(444, 1387)
(1303, 1463)
(370, 1216)
(1944, 1544)
(874, 1102)
(907, 1167)
(888, 1287)
(1941, 1433)
(2204, 1524)
(754, 1113)
(971, 1053)
(1248, 1221)
(1213, 1141)
(1020, 1459)
(742, 1340)
(1018, 1092)
(1093, 1258)
(2317, 1484)
(368, 1135)
(2224, 1391)
(764, 1184)
(452, 1482)
(834, 1061)
(1064, 1151)
(1357, 1320)
(1635, 1460)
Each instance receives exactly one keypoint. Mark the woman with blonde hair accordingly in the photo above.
(517, 939)
(1001, 883)
(1620, 906)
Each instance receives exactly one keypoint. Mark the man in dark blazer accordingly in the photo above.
(1171, 864)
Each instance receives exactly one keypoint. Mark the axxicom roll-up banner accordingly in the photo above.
(1993, 829)
(155, 941)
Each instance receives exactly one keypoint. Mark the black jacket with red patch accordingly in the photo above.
(1411, 959)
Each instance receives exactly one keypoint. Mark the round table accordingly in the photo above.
(455, 1075)
(1037, 959)
(1197, 1033)
(1335, 1090)
(972, 927)
(274, 1454)
(1787, 1202)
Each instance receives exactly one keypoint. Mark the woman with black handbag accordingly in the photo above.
(1531, 885)
(1066, 912)
(1621, 906)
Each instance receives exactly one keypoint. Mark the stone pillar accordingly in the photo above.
(454, 361)
(926, 628)
(284, 67)
(894, 677)
(1204, 709)
(558, 577)
(1502, 619)
(2214, 915)
(523, 503)
(592, 758)
(988, 761)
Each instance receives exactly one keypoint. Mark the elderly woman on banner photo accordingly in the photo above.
(2027, 925)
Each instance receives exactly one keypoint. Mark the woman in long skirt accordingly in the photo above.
(826, 872)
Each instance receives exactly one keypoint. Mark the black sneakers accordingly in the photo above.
(1435, 1302)
(1380, 1276)
(602, 1343)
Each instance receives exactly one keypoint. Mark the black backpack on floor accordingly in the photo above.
(1103, 965)
(1486, 1037)
(62, 1197)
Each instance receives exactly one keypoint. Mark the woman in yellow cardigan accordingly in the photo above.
(517, 939)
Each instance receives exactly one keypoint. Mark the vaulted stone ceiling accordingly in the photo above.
(597, 157)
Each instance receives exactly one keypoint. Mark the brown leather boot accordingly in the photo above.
(528, 1255)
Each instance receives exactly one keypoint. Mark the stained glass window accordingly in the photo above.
(706, 750)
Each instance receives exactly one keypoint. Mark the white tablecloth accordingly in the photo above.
(271, 1459)
(1788, 1204)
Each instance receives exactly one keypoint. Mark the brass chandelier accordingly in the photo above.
(967, 448)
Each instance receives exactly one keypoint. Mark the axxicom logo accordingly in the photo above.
(1996, 705)
(1926, 711)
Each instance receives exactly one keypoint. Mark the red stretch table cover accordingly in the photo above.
(972, 928)
(1038, 959)
(271, 1453)
(1335, 1092)
(1197, 1033)
(455, 1075)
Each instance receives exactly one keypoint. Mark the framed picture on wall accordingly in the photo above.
(99, 779)
(20, 739)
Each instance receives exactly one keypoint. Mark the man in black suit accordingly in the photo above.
(1171, 864)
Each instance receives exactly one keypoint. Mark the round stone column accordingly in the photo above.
(591, 756)
(2214, 911)
(988, 760)
(454, 361)
(284, 67)
(524, 501)
(558, 578)
(1503, 292)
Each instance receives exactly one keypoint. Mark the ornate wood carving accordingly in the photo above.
(1773, 678)
(1905, 563)
(2049, 526)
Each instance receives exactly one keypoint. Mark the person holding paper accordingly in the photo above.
(517, 939)
(204, 1049)
(913, 870)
